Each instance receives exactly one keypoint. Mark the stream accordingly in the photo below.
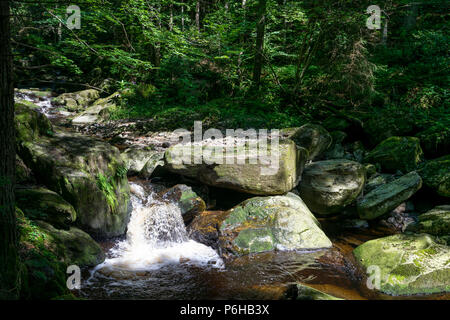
(157, 260)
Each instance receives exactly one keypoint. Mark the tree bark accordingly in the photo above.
(182, 15)
(9, 262)
(260, 30)
(197, 15)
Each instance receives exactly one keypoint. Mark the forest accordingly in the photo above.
(354, 95)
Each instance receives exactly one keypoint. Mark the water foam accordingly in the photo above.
(156, 237)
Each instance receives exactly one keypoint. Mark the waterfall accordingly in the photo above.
(156, 237)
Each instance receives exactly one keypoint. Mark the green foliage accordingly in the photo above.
(44, 274)
(316, 52)
(107, 186)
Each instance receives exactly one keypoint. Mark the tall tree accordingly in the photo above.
(9, 262)
(259, 50)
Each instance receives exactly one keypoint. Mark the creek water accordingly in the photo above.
(157, 260)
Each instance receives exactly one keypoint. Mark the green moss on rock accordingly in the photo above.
(268, 223)
(409, 264)
(388, 196)
(435, 222)
(45, 275)
(70, 164)
(43, 204)
(436, 175)
(397, 153)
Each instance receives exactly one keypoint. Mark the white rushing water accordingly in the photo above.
(156, 237)
(44, 103)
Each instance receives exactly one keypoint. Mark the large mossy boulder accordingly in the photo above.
(408, 264)
(186, 199)
(436, 175)
(329, 186)
(241, 168)
(313, 138)
(98, 111)
(435, 222)
(387, 197)
(43, 204)
(77, 101)
(87, 173)
(44, 273)
(46, 252)
(269, 223)
(74, 246)
(30, 123)
(397, 153)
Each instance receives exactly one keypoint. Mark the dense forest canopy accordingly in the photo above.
(194, 53)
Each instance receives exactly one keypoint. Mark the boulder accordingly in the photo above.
(30, 123)
(269, 223)
(377, 180)
(397, 153)
(435, 141)
(44, 272)
(388, 196)
(153, 166)
(43, 204)
(313, 138)
(77, 101)
(188, 201)
(99, 110)
(408, 264)
(74, 246)
(436, 175)
(205, 228)
(435, 222)
(329, 186)
(46, 252)
(336, 149)
(136, 157)
(87, 173)
(241, 168)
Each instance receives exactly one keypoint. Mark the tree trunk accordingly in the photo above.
(259, 54)
(9, 262)
(182, 16)
(197, 15)
(171, 18)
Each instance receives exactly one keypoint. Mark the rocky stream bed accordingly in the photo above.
(111, 197)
